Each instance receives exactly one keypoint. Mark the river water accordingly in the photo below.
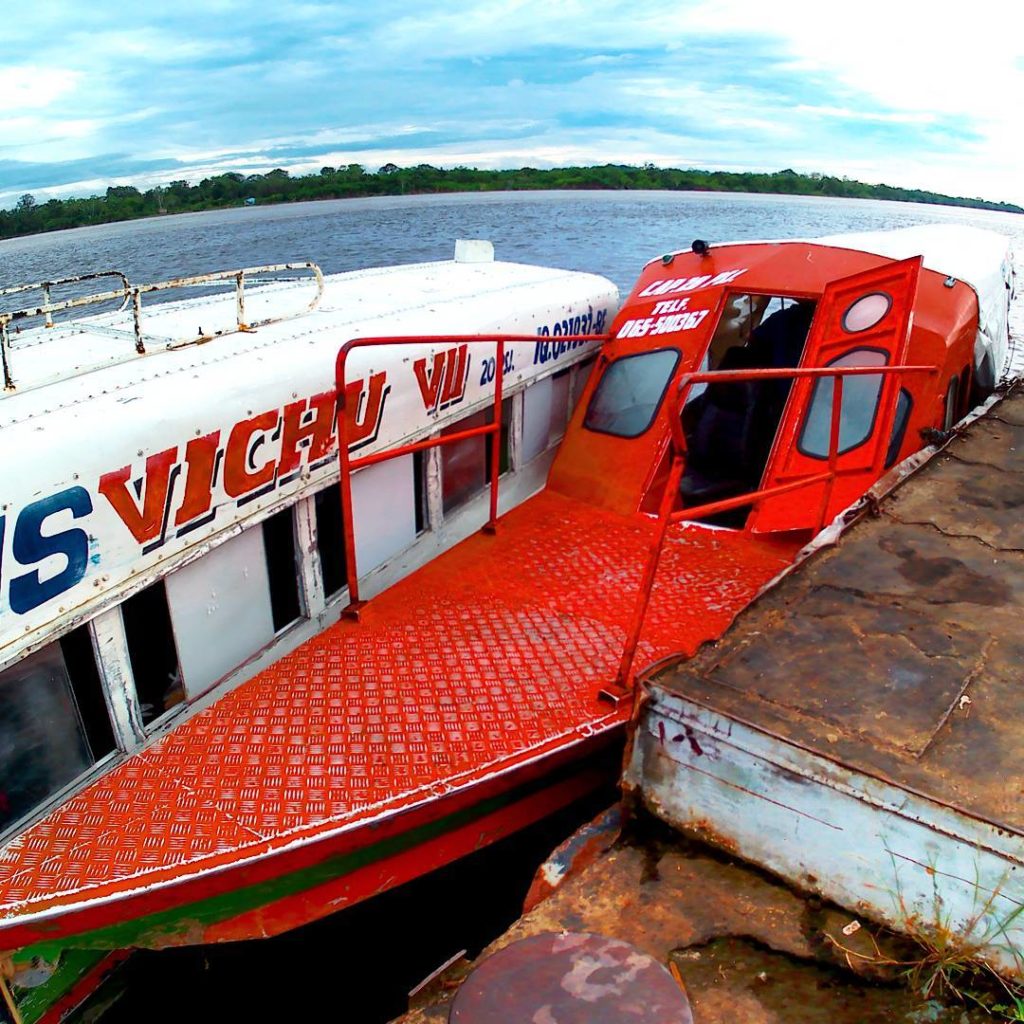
(609, 233)
(361, 963)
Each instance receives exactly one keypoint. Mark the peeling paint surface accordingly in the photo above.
(860, 727)
(570, 978)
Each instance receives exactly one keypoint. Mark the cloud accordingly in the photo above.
(910, 94)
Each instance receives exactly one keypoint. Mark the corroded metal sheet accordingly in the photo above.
(470, 670)
(570, 978)
(860, 729)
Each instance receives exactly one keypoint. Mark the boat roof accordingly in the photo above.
(980, 258)
(94, 355)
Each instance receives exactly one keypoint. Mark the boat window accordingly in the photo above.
(583, 371)
(282, 568)
(545, 414)
(330, 539)
(860, 404)
(466, 464)
(53, 724)
(629, 393)
(899, 427)
(419, 483)
(221, 610)
(152, 651)
(80, 659)
(866, 312)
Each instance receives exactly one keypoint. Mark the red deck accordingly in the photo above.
(466, 672)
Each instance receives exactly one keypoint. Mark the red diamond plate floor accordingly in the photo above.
(490, 656)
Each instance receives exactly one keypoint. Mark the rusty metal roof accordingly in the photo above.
(897, 652)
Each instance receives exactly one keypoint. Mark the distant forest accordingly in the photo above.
(123, 202)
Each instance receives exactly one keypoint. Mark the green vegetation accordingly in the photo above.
(124, 202)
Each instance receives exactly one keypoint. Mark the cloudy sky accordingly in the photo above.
(921, 94)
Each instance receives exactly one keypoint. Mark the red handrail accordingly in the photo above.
(348, 465)
(624, 681)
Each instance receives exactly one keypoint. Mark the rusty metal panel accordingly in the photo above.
(859, 729)
(570, 978)
(886, 853)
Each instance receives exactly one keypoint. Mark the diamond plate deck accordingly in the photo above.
(478, 664)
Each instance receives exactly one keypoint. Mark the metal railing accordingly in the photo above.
(129, 293)
(348, 465)
(625, 679)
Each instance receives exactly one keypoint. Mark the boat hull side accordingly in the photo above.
(274, 893)
(892, 855)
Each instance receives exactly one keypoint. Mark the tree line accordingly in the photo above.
(125, 202)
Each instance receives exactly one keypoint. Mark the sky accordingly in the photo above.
(917, 94)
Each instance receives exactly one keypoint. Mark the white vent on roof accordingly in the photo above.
(474, 250)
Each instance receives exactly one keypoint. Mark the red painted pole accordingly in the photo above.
(499, 379)
(345, 481)
(833, 447)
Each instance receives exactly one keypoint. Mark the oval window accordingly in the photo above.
(867, 311)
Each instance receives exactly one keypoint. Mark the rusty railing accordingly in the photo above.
(625, 679)
(129, 293)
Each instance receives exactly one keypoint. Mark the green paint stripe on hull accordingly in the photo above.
(156, 929)
(73, 966)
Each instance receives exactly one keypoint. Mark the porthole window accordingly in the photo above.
(866, 312)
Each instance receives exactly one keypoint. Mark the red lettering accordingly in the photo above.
(455, 379)
(238, 456)
(364, 409)
(430, 384)
(147, 523)
(446, 382)
(320, 428)
(200, 457)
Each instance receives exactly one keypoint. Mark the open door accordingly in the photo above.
(863, 320)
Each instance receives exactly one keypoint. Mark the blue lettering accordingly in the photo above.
(31, 545)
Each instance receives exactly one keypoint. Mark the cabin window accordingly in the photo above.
(629, 393)
(221, 610)
(152, 651)
(282, 568)
(53, 724)
(860, 405)
(545, 413)
(583, 371)
(419, 483)
(330, 539)
(466, 464)
(899, 426)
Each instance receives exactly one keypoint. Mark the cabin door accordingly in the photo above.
(863, 320)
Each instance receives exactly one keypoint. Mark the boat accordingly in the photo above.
(349, 593)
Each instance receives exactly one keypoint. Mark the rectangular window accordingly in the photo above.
(282, 570)
(221, 610)
(545, 414)
(857, 412)
(53, 724)
(330, 539)
(466, 464)
(629, 393)
(152, 651)
(420, 490)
